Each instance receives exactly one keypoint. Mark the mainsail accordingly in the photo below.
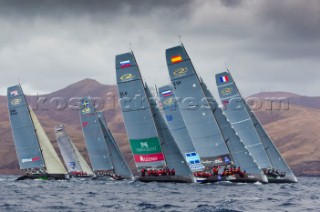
(120, 166)
(240, 120)
(178, 128)
(25, 138)
(141, 130)
(35, 152)
(277, 162)
(73, 160)
(174, 157)
(240, 155)
(199, 119)
(95, 141)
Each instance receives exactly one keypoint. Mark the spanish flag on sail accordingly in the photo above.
(176, 59)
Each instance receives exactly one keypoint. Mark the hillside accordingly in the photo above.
(294, 129)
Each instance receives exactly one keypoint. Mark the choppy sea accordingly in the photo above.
(99, 195)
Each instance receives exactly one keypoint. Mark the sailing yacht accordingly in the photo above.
(155, 152)
(36, 155)
(252, 132)
(73, 160)
(105, 156)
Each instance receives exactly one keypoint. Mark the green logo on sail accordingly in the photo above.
(145, 146)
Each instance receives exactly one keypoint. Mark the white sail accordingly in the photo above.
(83, 164)
(52, 161)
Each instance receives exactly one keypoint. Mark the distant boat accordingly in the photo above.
(75, 163)
(155, 154)
(251, 132)
(104, 154)
(36, 155)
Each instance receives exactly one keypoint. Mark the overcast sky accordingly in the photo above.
(267, 45)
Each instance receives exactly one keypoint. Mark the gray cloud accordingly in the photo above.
(268, 45)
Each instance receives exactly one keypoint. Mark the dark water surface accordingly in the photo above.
(95, 195)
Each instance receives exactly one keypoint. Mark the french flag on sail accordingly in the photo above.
(166, 93)
(124, 64)
(224, 78)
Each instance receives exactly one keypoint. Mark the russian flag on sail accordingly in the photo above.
(224, 78)
(166, 93)
(124, 64)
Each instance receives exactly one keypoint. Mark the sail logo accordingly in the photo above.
(25, 160)
(72, 164)
(148, 159)
(144, 144)
(226, 91)
(86, 110)
(16, 101)
(168, 101)
(126, 77)
(180, 71)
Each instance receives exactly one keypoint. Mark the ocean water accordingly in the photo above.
(99, 195)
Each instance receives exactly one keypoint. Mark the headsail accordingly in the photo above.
(143, 136)
(199, 119)
(52, 161)
(178, 128)
(240, 119)
(276, 160)
(95, 141)
(120, 166)
(25, 138)
(73, 160)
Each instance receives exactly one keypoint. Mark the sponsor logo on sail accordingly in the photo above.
(16, 101)
(168, 101)
(25, 160)
(126, 77)
(72, 164)
(226, 91)
(149, 157)
(218, 160)
(144, 144)
(176, 59)
(14, 93)
(180, 71)
(86, 110)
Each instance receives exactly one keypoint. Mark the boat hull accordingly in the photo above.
(234, 178)
(165, 179)
(281, 180)
(44, 177)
